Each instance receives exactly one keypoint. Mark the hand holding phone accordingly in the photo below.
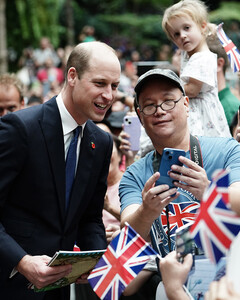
(169, 157)
(184, 243)
(132, 127)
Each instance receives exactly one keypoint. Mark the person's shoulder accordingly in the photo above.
(217, 142)
(206, 55)
(228, 95)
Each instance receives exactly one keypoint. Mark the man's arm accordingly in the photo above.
(154, 199)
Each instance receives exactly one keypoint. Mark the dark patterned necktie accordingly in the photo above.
(71, 164)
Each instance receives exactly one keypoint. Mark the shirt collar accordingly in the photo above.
(68, 123)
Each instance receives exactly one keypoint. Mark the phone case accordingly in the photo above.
(132, 126)
(184, 242)
(169, 158)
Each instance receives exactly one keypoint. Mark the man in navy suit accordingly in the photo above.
(34, 221)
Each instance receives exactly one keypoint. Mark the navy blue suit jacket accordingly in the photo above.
(32, 192)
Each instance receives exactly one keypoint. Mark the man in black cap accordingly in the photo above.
(154, 210)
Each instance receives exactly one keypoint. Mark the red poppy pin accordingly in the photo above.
(93, 145)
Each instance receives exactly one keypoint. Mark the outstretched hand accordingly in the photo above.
(193, 178)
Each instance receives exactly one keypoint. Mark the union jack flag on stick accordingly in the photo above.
(216, 224)
(124, 258)
(229, 47)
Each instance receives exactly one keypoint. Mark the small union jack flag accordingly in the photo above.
(179, 215)
(174, 216)
(124, 258)
(216, 224)
(229, 47)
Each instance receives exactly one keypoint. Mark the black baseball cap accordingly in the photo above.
(155, 73)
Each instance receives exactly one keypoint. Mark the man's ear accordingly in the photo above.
(22, 103)
(220, 64)
(186, 103)
(72, 76)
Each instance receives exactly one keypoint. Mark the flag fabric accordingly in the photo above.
(124, 258)
(216, 224)
(174, 216)
(230, 48)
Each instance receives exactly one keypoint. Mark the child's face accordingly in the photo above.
(186, 34)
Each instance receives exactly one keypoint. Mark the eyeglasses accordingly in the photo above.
(151, 109)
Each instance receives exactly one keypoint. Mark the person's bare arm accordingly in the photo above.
(111, 208)
(193, 87)
(234, 197)
(154, 199)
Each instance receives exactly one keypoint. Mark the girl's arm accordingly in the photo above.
(193, 87)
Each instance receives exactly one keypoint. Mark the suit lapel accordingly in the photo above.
(53, 134)
(85, 164)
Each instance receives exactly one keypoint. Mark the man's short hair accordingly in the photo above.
(80, 56)
(11, 79)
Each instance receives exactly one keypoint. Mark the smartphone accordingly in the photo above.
(184, 243)
(169, 157)
(132, 126)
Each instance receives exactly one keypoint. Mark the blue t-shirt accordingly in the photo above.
(217, 153)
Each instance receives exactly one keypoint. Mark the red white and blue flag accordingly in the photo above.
(124, 258)
(179, 214)
(230, 48)
(216, 224)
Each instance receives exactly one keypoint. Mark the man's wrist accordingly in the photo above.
(21, 263)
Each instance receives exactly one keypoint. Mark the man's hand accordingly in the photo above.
(35, 269)
(193, 179)
(155, 198)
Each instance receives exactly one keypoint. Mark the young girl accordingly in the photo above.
(186, 24)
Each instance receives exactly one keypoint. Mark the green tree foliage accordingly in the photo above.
(227, 12)
(39, 18)
(138, 21)
(140, 30)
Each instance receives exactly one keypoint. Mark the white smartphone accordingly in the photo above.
(132, 126)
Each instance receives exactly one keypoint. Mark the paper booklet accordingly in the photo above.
(81, 261)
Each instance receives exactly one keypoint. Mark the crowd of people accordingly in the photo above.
(183, 101)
